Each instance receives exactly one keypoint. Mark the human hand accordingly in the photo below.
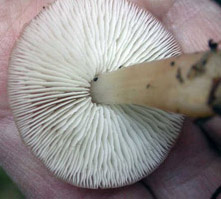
(192, 169)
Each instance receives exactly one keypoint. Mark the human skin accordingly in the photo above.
(193, 167)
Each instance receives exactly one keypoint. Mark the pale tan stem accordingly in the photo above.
(189, 84)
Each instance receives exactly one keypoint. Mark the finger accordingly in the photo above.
(36, 182)
(194, 23)
(192, 170)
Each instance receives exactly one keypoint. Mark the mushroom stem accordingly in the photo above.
(189, 84)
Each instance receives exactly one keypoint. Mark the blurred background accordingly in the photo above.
(8, 190)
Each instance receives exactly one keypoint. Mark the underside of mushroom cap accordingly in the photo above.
(59, 53)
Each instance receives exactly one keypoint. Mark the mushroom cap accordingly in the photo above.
(57, 56)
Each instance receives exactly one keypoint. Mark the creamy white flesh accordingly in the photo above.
(51, 67)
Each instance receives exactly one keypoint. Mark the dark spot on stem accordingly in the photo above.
(196, 70)
(212, 45)
(179, 76)
(121, 66)
(95, 79)
(215, 84)
(214, 99)
(148, 86)
(199, 68)
(172, 63)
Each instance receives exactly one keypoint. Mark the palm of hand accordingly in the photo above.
(193, 168)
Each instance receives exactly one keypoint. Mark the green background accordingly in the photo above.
(8, 190)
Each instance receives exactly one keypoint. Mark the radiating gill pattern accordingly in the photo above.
(57, 56)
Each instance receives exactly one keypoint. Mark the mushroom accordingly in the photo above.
(189, 84)
(59, 54)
